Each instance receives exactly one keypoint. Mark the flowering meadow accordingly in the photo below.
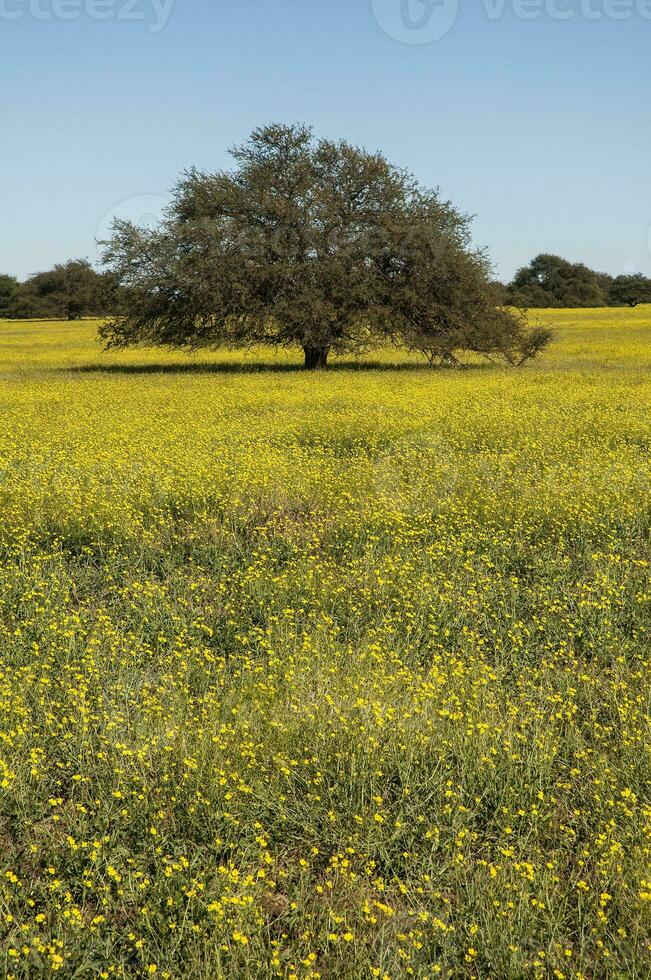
(334, 676)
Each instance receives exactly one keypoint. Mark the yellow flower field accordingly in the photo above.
(328, 676)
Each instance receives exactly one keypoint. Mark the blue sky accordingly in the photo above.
(539, 126)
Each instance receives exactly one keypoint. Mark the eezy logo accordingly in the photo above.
(153, 13)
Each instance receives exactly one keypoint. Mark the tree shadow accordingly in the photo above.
(262, 367)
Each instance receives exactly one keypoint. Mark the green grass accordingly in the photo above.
(339, 676)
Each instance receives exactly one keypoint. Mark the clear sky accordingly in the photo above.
(534, 115)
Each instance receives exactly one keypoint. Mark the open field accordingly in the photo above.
(328, 676)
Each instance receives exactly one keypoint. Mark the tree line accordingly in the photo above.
(69, 291)
(551, 281)
(74, 289)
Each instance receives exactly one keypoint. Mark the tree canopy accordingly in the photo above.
(313, 244)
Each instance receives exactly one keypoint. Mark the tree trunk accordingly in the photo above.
(316, 358)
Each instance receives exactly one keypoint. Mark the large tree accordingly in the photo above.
(308, 243)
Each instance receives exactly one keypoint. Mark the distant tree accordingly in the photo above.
(550, 281)
(69, 290)
(26, 303)
(631, 290)
(306, 243)
(8, 288)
